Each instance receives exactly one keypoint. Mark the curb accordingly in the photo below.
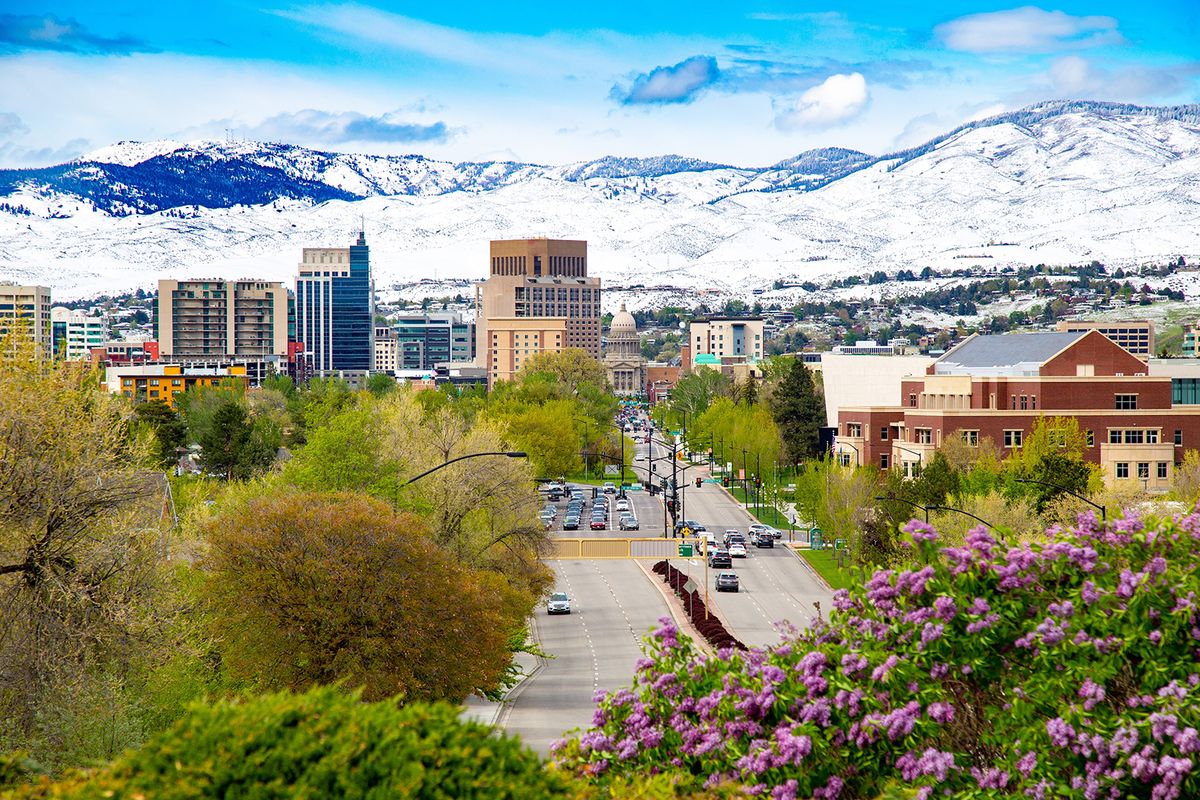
(504, 707)
(820, 578)
(675, 608)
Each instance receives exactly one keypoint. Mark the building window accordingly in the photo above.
(1151, 437)
(1014, 402)
(971, 438)
(1024, 403)
(1162, 470)
(883, 433)
(1143, 469)
(1125, 402)
(883, 460)
(854, 429)
(1012, 438)
(1033, 402)
(1114, 436)
(1090, 438)
(1122, 469)
(912, 400)
(1178, 438)
(1133, 437)
(924, 435)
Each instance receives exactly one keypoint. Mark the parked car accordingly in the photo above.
(727, 582)
(559, 603)
(610, 487)
(737, 550)
(720, 558)
(571, 523)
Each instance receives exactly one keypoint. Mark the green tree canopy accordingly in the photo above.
(799, 412)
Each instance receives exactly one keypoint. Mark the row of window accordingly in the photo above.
(1143, 469)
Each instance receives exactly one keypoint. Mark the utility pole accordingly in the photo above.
(745, 486)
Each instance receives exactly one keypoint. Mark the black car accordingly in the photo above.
(720, 558)
(763, 540)
(727, 582)
(571, 524)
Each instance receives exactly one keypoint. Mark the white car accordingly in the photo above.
(737, 550)
(559, 603)
(622, 505)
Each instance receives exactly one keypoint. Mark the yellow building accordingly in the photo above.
(512, 340)
(166, 381)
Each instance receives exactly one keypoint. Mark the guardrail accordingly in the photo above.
(619, 548)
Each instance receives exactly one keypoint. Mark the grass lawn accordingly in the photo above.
(766, 514)
(825, 563)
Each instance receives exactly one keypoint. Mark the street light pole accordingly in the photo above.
(909, 502)
(444, 464)
(1103, 510)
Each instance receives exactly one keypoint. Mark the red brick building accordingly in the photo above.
(997, 386)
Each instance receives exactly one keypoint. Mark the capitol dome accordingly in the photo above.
(623, 321)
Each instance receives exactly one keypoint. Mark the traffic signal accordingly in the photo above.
(671, 506)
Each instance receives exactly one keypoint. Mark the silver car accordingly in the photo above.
(558, 603)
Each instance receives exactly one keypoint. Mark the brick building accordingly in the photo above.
(997, 386)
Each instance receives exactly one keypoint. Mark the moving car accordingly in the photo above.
(599, 523)
(720, 558)
(737, 550)
(571, 523)
(629, 523)
(764, 539)
(559, 603)
(690, 524)
(735, 536)
(610, 487)
(622, 505)
(727, 582)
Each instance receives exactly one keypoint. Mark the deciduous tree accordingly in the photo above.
(310, 589)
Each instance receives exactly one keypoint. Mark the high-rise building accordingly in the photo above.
(26, 310)
(387, 350)
(335, 308)
(538, 280)
(512, 340)
(75, 333)
(427, 340)
(212, 318)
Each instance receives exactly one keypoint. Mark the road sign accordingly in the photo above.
(685, 550)
(685, 532)
(816, 540)
(690, 586)
(612, 469)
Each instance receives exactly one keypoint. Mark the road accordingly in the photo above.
(613, 607)
(775, 585)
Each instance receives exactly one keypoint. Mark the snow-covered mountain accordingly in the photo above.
(1055, 183)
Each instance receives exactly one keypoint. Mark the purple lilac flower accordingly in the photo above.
(881, 672)
(940, 712)
(920, 531)
(1027, 763)
(1060, 732)
(1091, 693)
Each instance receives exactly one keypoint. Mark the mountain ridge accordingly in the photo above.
(1055, 183)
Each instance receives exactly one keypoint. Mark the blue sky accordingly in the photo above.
(732, 82)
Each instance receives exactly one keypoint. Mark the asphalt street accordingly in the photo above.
(613, 608)
(775, 585)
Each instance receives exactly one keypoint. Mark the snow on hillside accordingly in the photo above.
(1057, 184)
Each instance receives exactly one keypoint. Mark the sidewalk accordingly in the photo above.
(490, 712)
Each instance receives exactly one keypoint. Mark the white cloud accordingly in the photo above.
(838, 99)
(1027, 30)
(1082, 79)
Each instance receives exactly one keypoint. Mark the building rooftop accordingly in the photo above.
(1005, 354)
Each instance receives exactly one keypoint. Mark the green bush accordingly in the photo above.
(321, 744)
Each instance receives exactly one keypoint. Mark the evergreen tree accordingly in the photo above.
(224, 440)
(799, 412)
(169, 428)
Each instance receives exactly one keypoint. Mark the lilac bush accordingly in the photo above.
(1063, 668)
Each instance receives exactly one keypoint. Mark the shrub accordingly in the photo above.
(707, 625)
(1065, 668)
(321, 744)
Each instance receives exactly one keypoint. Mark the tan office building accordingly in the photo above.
(27, 309)
(512, 340)
(536, 280)
(727, 339)
(1135, 335)
(209, 317)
